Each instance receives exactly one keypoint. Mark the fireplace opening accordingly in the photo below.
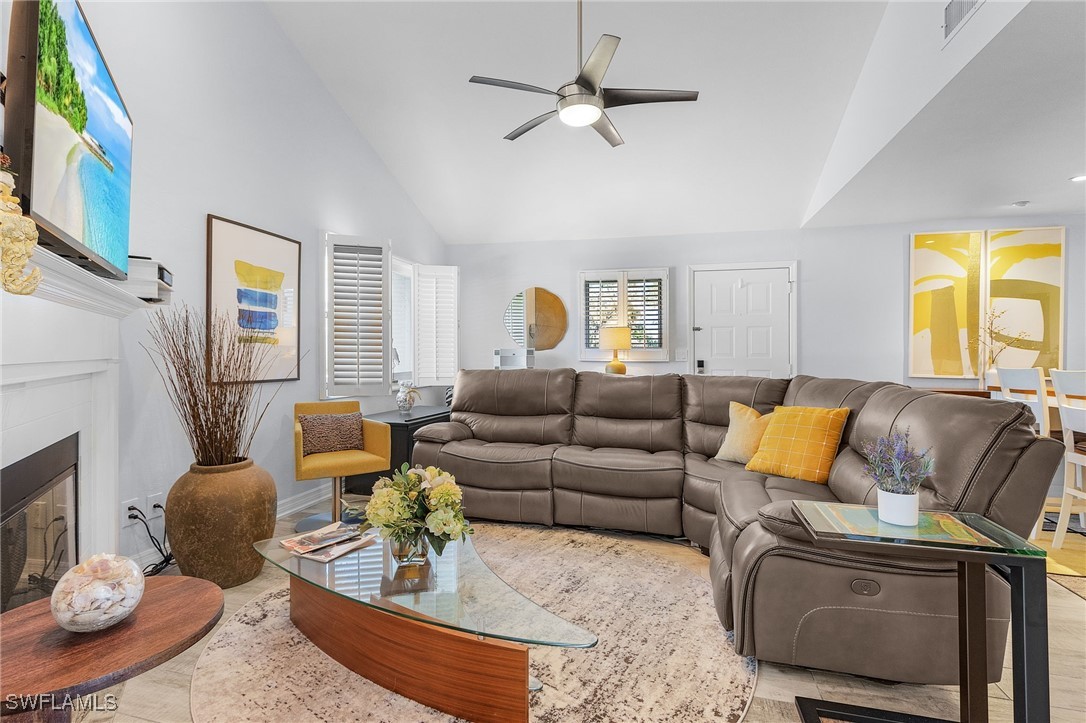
(38, 522)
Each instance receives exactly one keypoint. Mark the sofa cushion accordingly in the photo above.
(801, 442)
(529, 406)
(619, 472)
(975, 443)
(498, 465)
(703, 476)
(744, 493)
(706, 401)
(642, 412)
(744, 433)
(805, 391)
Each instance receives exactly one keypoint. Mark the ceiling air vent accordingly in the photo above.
(956, 13)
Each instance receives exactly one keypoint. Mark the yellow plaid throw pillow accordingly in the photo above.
(800, 442)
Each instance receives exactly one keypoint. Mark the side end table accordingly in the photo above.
(47, 668)
(978, 543)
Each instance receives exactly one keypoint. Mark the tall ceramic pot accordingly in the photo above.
(213, 517)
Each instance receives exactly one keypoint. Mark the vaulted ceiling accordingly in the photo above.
(775, 80)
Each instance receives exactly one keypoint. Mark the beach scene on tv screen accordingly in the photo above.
(82, 137)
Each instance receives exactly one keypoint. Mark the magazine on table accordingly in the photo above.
(327, 554)
(328, 535)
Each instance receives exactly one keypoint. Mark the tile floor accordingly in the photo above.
(162, 695)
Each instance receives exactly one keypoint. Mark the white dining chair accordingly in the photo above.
(1070, 390)
(1028, 387)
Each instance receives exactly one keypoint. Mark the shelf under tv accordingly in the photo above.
(65, 283)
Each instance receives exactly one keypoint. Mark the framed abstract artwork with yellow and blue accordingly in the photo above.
(982, 298)
(254, 276)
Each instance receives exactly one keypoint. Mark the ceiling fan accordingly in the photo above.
(582, 101)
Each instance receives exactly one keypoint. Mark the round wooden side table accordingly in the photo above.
(45, 668)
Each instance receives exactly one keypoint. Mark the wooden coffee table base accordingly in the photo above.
(479, 679)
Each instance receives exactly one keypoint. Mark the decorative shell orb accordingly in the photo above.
(97, 593)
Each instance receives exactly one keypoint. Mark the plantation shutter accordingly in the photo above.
(599, 306)
(645, 311)
(357, 329)
(626, 297)
(437, 324)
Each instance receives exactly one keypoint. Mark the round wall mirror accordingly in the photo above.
(536, 318)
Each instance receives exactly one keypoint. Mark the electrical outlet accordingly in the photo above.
(125, 504)
(154, 513)
(36, 515)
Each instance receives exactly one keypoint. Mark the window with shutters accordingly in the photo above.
(437, 332)
(386, 320)
(636, 298)
(403, 320)
(357, 334)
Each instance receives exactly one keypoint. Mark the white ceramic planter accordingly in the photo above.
(898, 509)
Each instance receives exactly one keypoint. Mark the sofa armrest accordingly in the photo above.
(377, 439)
(780, 519)
(444, 432)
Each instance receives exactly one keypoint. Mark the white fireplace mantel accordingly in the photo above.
(59, 375)
(68, 284)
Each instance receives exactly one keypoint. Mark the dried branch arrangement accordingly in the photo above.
(219, 418)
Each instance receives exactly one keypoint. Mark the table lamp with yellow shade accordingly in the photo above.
(615, 338)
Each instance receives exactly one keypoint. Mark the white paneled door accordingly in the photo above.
(742, 322)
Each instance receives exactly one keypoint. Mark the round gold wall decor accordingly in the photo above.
(536, 318)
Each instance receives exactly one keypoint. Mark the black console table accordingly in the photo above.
(403, 441)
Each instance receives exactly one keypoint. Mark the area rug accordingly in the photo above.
(662, 653)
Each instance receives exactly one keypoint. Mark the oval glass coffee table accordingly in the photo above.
(448, 633)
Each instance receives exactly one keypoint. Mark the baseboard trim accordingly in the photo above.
(146, 557)
(303, 500)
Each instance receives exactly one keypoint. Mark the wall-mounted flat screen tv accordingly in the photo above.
(69, 136)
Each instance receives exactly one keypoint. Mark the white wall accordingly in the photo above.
(907, 65)
(852, 290)
(229, 120)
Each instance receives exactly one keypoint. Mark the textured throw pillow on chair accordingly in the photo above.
(745, 429)
(330, 432)
(801, 443)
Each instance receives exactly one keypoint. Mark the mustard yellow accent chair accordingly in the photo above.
(375, 456)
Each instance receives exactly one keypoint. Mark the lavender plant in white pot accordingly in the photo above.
(898, 469)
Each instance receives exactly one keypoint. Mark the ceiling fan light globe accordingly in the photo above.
(580, 110)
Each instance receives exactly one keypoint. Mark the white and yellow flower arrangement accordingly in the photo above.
(420, 502)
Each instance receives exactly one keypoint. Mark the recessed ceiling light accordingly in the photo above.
(1078, 179)
(1020, 204)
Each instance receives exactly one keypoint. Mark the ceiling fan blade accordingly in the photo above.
(629, 96)
(510, 84)
(530, 125)
(606, 128)
(595, 67)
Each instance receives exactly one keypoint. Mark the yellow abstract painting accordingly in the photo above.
(945, 304)
(1025, 297)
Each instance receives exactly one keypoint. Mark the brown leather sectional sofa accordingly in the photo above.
(637, 453)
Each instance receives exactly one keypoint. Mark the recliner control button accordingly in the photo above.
(867, 588)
